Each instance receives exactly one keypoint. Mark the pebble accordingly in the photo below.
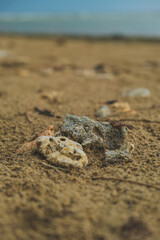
(85, 72)
(61, 151)
(110, 102)
(47, 71)
(93, 134)
(53, 96)
(137, 92)
(4, 53)
(100, 68)
(123, 106)
(94, 73)
(103, 111)
(115, 156)
(102, 72)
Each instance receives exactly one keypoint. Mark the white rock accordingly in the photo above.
(137, 92)
(103, 111)
(61, 151)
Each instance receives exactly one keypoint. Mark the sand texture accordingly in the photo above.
(43, 79)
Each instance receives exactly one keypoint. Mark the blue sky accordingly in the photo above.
(77, 6)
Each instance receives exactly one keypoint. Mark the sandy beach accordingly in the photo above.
(118, 201)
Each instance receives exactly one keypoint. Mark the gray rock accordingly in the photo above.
(137, 92)
(93, 134)
(123, 154)
(103, 111)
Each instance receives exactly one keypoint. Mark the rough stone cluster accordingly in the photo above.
(77, 133)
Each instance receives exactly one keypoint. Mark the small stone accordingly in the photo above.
(103, 111)
(61, 151)
(54, 97)
(122, 154)
(111, 102)
(100, 68)
(93, 134)
(123, 106)
(47, 71)
(137, 92)
(85, 72)
(4, 53)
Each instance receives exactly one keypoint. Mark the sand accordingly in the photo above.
(119, 201)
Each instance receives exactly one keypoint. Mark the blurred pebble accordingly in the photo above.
(103, 111)
(86, 72)
(9, 63)
(44, 112)
(137, 92)
(123, 106)
(111, 101)
(93, 73)
(47, 71)
(52, 96)
(100, 68)
(4, 53)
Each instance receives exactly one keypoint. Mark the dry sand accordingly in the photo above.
(120, 201)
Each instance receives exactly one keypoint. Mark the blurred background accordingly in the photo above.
(85, 17)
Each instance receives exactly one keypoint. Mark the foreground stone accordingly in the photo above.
(60, 151)
(64, 148)
(93, 134)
